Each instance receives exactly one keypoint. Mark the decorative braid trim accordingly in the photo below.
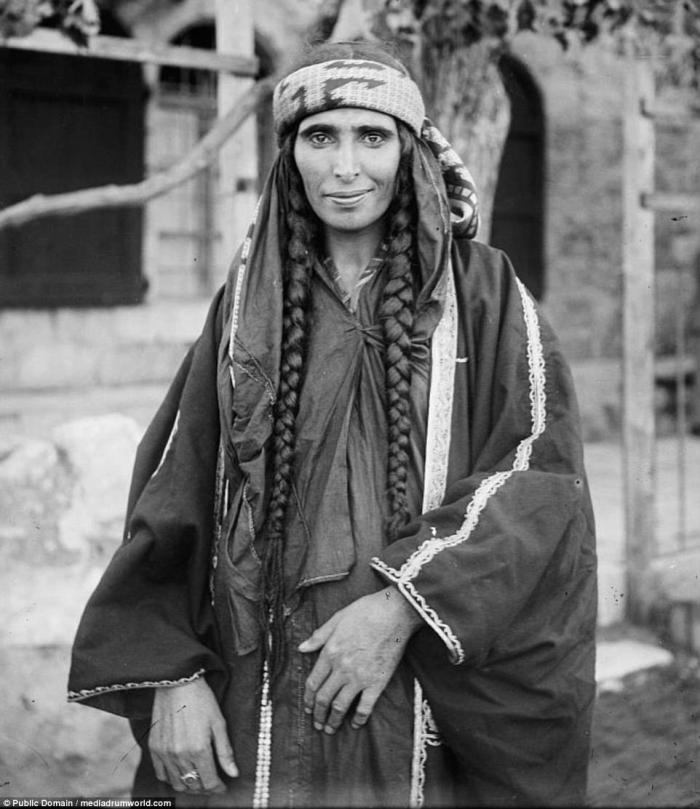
(86, 693)
(444, 353)
(261, 796)
(220, 511)
(242, 267)
(427, 613)
(429, 549)
(425, 734)
(171, 439)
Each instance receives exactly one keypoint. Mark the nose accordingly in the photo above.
(346, 167)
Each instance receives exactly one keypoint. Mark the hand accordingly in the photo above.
(361, 646)
(186, 723)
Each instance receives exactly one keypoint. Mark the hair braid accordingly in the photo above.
(301, 243)
(396, 316)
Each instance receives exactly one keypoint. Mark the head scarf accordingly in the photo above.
(375, 86)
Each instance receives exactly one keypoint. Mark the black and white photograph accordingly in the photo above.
(350, 403)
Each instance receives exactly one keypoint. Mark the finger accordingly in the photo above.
(173, 775)
(365, 707)
(324, 697)
(209, 780)
(158, 767)
(318, 638)
(314, 681)
(224, 751)
(339, 708)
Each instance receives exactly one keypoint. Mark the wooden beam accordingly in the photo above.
(134, 50)
(638, 335)
(671, 113)
(670, 202)
(114, 196)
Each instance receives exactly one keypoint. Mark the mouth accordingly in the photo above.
(348, 198)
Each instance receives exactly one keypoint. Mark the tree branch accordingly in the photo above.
(114, 196)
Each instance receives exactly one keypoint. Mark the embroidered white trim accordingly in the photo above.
(487, 488)
(242, 267)
(409, 591)
(261, 796)
(220, 511)
(171, 438)
(425, 734)
(86, 693)
(443, 350)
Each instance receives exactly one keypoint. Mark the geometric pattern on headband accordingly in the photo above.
(347, 83)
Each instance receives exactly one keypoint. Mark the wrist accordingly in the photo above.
(409, 618)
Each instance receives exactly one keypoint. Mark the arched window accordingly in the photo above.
(189, 80)
(67, 123)
(518, 214)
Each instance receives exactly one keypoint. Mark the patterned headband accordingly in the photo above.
(347, 83)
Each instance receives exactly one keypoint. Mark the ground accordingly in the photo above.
(646, 739)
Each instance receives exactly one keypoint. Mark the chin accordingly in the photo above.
(350, 223)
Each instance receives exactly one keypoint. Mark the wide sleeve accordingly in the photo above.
(149, 622)
(516, 502)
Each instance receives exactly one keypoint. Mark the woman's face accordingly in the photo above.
(348, 159)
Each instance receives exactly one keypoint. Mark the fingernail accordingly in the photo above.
(318, 726)
(302, 647)
(329, 730)
(307, 710)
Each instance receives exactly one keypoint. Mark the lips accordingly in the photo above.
(348, 198)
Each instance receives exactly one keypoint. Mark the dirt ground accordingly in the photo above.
(646, 740)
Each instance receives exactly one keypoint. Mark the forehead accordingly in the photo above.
(349, 118)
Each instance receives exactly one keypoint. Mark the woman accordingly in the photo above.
(362, 573)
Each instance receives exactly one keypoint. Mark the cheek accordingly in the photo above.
(386, 170)
(309, 169)
(386, 181)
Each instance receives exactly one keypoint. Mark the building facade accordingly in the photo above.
(106, 302)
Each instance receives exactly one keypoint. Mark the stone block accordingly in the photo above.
(49, 748)
(99, 451)
(62, 509)
(42, 604)
(35, 491)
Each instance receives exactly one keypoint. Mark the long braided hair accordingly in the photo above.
(303, 238)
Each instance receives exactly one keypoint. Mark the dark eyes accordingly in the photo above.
(320, 138)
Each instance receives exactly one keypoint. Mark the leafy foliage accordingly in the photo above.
(671, 28)
(78, 19)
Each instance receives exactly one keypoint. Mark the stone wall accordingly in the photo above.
(583, 97)
(62, 503)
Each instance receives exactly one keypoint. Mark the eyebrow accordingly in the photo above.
(330, 129)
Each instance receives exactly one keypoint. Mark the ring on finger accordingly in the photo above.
(190, 779)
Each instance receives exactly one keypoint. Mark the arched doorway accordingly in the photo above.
(518, 214)
(67, 123)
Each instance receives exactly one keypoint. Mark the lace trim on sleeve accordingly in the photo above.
(86, 693)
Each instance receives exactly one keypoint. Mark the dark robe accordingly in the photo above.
(502, 570)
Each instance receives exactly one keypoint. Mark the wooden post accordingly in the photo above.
(238, 162)
(638, 333)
